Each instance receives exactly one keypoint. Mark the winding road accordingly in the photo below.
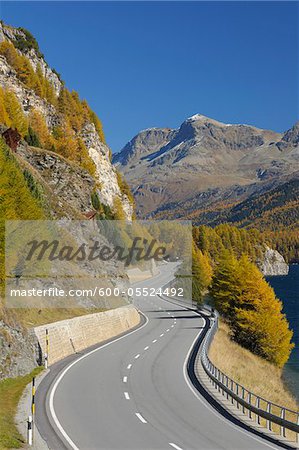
(134, 392)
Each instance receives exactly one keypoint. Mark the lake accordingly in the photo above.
(287, 289)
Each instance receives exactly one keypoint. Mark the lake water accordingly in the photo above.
(287, 289)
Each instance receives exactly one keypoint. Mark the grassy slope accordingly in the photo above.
(10, 393)
(33, 317)
(256, 374)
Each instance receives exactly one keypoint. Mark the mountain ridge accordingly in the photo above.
(164, 165)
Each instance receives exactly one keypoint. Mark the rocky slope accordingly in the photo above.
(54, 184)
(108, 187)
(19, 351)
(205, 160)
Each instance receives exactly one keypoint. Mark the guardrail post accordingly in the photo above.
(237, 392)
(218, 379)
(282, 428)
(232, 389)
(226, 384)
(249, 401)
(243, 398)
(257, 405)
(269, 426)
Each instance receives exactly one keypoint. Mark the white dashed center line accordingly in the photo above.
(142, 419)
(125, 379)
(167, 330)
(127, 395)
(146, 348)
(137, 356)
(155, 340)
(175, 446)
(129, 366)
(161, 335)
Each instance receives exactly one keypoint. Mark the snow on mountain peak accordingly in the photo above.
(196, 117)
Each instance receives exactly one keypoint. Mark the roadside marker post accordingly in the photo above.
(47, 350)
(30, 431)
(33, 398)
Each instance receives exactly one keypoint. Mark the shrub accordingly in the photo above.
(27, 43)
(95, 201)
(32, 138)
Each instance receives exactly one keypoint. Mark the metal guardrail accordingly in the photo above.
(274, 417)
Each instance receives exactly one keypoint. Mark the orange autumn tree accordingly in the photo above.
(251, 308)
(12, 110)
(39, 126)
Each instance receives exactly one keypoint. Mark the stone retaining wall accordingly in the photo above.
(73, 335)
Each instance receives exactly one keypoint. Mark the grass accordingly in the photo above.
(35, 317)
(253, 372)
(11, 391)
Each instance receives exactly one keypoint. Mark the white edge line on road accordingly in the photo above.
(142, 419)
(175, 446)
(53, 390)
(207, 405)
(127, 395)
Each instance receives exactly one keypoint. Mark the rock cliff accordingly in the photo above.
(105, 175)
(273, 263)
(19, 351)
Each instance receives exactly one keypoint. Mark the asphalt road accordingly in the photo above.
(134, 392)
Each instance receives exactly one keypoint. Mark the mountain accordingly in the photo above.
(173, 172)
(35, 101)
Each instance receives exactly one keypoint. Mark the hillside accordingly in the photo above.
(272, 206)
(205, 165)
(35, 101)
(54, 163)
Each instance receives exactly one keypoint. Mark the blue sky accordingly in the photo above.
(144, 64)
